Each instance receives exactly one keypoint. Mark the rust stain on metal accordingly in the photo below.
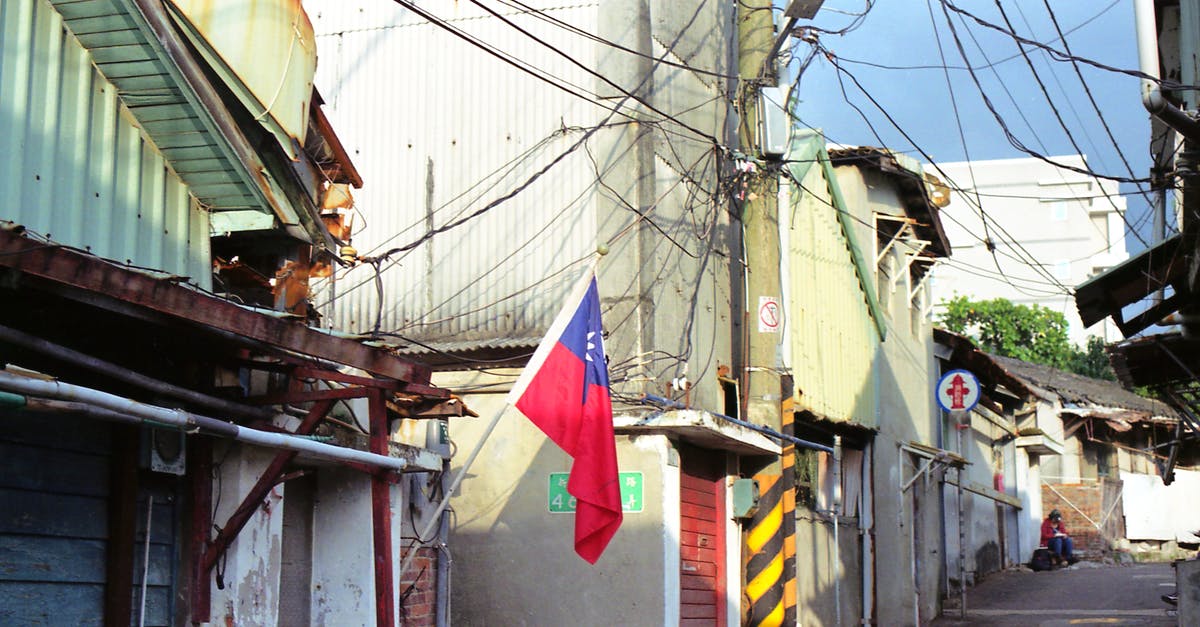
(291, 288)
(339, 224)
(112, 281)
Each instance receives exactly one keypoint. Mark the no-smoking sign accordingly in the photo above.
(770, 315)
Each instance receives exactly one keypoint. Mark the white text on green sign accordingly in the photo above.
(559, 501)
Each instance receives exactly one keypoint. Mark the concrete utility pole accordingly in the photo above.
(760, 216)
(764, 536)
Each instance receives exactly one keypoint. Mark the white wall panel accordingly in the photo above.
(440, 129)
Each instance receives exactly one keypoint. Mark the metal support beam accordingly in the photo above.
(108, 281)
(305, 396)
(306, 372)
(381, 515)
(254, 498)
(109, 369)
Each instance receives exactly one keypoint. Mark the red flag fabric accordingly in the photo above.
(564, 391)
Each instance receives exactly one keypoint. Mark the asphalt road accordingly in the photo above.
(1087, 593)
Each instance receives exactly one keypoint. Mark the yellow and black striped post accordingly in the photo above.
(789, 506)
(770, 539)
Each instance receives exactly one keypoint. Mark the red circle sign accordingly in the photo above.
(768, 315)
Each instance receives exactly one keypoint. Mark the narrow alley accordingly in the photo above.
(1089, 593)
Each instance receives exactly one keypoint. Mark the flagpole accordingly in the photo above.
(435, 520)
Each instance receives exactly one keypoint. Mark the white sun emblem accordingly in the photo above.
(590, 346)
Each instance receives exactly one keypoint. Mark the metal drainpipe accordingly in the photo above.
(962, 532)
(109, 369)
(443, 563)
(867, 541)
(837, 547)
(1146, 29)
(116, 408)
(437, 439)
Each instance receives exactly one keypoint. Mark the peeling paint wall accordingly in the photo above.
(908, 527)
(983, 542)
(343, 572)
(251, 566)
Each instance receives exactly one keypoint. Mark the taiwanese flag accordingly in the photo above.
(564, 391)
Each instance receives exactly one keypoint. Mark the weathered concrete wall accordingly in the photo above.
(908, 525)
(343, 550)
(1029, 490)
(828, 582)
(987, 545)
(514, 561)
(251, 566)
(666, 284)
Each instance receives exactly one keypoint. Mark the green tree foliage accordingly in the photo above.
(1029, 333)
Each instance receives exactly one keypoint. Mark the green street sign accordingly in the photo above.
(559, 501)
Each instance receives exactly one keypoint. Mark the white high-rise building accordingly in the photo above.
(1047, 230)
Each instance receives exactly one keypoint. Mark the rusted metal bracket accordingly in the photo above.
(306, 372)
(269, 479)
(425, 409)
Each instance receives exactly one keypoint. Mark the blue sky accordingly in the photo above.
(901, 33)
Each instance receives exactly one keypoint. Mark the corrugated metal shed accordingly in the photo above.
(476, 131)
(835, 339)
(140, 53)
(73, 163)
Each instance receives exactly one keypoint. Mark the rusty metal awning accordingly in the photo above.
(1169, 363)
(1107, 294)
(1155, 360)
(82, 277)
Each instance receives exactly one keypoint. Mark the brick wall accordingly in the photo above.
(418, 593)
(1080, 501)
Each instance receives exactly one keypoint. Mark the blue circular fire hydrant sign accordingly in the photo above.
(958, 390)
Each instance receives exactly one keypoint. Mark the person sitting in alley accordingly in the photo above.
(1057, 540)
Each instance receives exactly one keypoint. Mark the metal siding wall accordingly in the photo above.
(73, 164)
(834, 340)
(422, 150)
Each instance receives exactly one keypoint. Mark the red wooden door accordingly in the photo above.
(702, 537)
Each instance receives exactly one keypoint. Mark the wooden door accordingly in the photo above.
(702, 537)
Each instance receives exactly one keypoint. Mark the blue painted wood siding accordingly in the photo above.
(54, 489)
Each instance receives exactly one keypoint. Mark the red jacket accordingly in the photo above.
(1049, 528)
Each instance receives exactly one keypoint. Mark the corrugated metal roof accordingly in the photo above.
(124, 48)
(1079, 391)
(126, 57)
(910, 179)
(74, 165)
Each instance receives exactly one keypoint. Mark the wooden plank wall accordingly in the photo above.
(53, 519)
(54, 524)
